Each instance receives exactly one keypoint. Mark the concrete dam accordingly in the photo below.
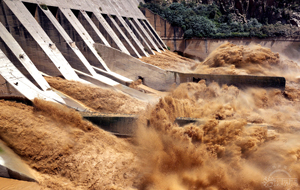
(88, 41)
(93, 42)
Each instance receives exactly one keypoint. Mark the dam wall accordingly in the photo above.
(199, 49)
(57, 38)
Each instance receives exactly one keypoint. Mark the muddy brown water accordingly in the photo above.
(11, 184)
(67, 152)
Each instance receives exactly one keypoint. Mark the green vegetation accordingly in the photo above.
(44, 6)
(204, 20)
(1, 150)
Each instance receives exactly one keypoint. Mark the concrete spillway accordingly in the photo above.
(58, 38)
(91, 41)
(95, 42)
(11, 165)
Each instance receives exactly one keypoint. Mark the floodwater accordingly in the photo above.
(225, 152)
(11, 184)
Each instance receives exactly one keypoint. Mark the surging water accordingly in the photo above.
(225, 153)
(222, 153)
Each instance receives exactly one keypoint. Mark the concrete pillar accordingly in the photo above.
(106, 30)
(18, 81)
(91, 27)
(77, 60)
(35, 42)
(131, 36)
(111, 21)
(83, 40)
(152, 33)
(145, 34)
(13, 167)
(63, 42)
(156, 25)
(23, 63)
(139, 35)
(7, 90)
(20, 60)
(156, 35)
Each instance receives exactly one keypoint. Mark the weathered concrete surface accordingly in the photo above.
(82, 37)
(130, 34)
(18, 53)
(97, 79)
(108, 32)
(26, 64)
(58, 63)
(58, 39)
(157, 37)
(148, 28)
(134, 69)
(140, 36)
(63, 41)
(92, 28)
(118, 124)
(145, 34)
(113, 76)
(240, 81)
(127, 43)
(11, 166)
(162, 27)
(128, 8)
(70, 50)
(19, 82)
(7, 90)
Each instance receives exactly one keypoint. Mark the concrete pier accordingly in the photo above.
(145, 34)
(37, 45)
(91, 27)
(118, 124)
(139, 35)
(58, 38)
(108, 32)
(151, 33)
(18, 82)
(11, 166)
(110, 19)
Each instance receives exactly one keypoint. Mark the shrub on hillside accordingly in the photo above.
(202, 20)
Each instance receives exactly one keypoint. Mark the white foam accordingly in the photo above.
(2, 162)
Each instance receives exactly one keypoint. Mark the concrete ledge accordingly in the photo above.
(182, 121)
(11, 166)
(134, 69)
(19, 82)
(118, 124)
(240, 81)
